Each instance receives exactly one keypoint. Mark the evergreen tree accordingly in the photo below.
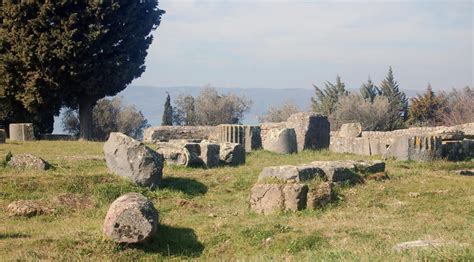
(72, 53)
(369, 91)
(427, 109)
(397, 99)
(325, 101)
(167, 119)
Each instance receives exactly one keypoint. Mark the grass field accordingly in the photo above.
(204, 214)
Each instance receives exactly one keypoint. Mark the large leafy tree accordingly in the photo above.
(325, 100)
(74, 53)
(398, 112)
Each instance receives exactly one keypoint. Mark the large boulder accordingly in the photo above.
(232, 154)
(130, 158)
(28, 161)
(131, 218)
(301, 173)
(22, 132)
(312, 130)
(282, 141)
(351, 130)
(271, 198)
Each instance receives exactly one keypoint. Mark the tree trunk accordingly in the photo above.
(85, 118)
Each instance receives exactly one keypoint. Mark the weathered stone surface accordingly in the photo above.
(166, 133)
(320, 195)
(267, 198)
(312, 130)
(210, 154)
(282, 141)
(467, 172)
(351, 130)
(301, 173)
(375, 166)
(294, 196)
(418, 148)
(131, 218)
(3, 136)
(27, 208)
(73, 201)
(451, 135)
(270, 198)
(28, 161)
(338, 171)
(130, 158)
(232, 154)
(247, 136)
(22, 132)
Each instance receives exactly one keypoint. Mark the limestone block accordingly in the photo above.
(3, 136)
(22, 132)
(312, 130)
(351, 130)
(281, 141)
(301, 173)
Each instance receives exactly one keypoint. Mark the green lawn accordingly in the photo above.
(215, 222)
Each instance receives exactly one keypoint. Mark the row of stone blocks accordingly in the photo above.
(450, 145)
(282, 188)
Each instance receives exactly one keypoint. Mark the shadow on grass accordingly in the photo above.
(174, 241)
(188, 186)
(14, 235)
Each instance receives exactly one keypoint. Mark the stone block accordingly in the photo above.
(351, 130)
(22, 132)
(270, 198)
(417, 148)
(282, 141)
(320, 195)
(300, 173)
(3, 136)
(167, 133)
(312, 130)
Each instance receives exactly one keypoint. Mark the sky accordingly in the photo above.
(294, 44)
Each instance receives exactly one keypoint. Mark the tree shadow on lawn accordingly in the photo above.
(188, 186)
(174, 241)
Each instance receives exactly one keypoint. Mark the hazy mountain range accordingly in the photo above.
(150, 100)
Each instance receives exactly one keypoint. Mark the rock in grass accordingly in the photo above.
(130, 158)
(232, 154)
(131, 218)
(270, 198)
(28, 161)
(27, 208)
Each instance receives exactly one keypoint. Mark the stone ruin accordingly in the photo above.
(307, 186)
(418, 143)
(22, 132)
(301, 131)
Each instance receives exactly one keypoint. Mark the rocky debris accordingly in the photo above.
(301, 173)
(73, 201)
(282, 141)
(3, 136)
(312, 130)
(130, 158)
(209, 154)
(232, 154)
(466, 172)
(351, 130)
(270, 198)
(27, 208)
(416, 244)
(22, 132)
(320, 195)
(131, 218)
(28, 161)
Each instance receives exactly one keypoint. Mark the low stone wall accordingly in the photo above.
(420, 143)
(167, 133)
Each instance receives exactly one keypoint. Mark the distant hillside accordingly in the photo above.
(150, 100)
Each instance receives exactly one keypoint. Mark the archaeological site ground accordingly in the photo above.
(413, 210)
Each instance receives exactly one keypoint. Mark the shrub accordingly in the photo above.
(279, 114)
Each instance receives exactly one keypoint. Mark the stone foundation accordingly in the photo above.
(167, 133)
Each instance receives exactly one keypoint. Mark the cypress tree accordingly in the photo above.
(325, 100)
(167, 119)
(369, 91)
(398, 112)
(73, 53)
